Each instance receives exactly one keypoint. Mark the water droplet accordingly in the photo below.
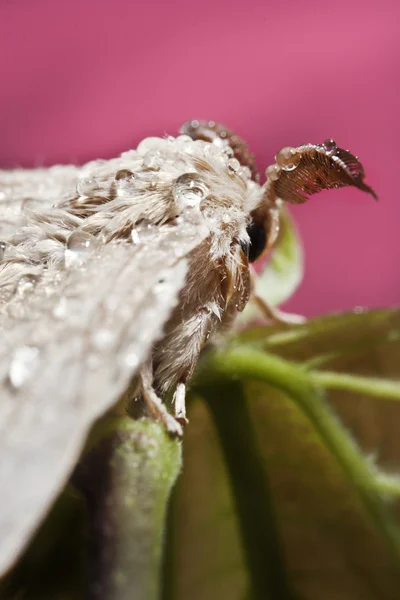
(220, 144)
(130, 358)
(189, 189)
(23, 364)
(152, 160)
(194, 123)
(288, 158)
(124, 174)
(104, 339)
(233, 165)
(272, 172)
(184, 139)
(80, 241)
(245, 172)
(330, 146)
(26, 284)
(86, 186)
(135, 237)
(79, 246)
(60, 309)
(215, 150)
(228, 150)
(3, 247)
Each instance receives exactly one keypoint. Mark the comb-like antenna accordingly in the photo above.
(210, 131)
(308, 169)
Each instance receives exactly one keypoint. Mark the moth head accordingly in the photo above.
(296, 174)
(262, 230)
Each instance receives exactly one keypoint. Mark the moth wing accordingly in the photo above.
(69, 349)
(23, 190)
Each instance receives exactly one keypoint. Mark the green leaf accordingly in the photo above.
(282, 273)
(324, 501)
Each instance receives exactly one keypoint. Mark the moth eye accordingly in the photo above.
(258, 241)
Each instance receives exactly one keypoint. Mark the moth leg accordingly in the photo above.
(277, 316)
(271, 313)
(180, 404)
(155, 405)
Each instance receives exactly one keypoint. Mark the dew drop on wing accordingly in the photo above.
(104, 339)
(26, 284)
(124, 174)
(135, 237)
(79, 246)
(227, 150)
(130, 358)
(86, 186)
(24, 363)
(233, 165)
(245, 172)
(3, 247)
(189, 190)
(60, 309)
(152, 160)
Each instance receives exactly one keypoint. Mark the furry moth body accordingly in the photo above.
(121, 268)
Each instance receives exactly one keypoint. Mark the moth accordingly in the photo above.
(120, 271)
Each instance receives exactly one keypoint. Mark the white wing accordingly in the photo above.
(73, 335)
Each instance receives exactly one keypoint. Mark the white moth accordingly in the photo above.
(125, 268)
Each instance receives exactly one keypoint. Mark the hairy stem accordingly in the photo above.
(372, 386)
(257, 522)
(126, 479)
(248, 363)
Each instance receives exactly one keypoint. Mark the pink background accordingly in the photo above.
(87, 79)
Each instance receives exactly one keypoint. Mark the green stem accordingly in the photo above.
(372, 386)
(388, 485)
(248, 363)
(257, 521)
(126, 478)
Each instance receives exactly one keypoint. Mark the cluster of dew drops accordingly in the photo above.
(25, 359)
(188, 190)
(288, 159)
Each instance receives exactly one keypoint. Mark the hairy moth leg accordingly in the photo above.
(269, 312)
(180, 404)
(275, 315)
(155, 405)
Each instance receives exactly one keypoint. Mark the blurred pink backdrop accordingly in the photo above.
(89, 78)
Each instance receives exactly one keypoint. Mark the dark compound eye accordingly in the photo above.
(258, 241)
